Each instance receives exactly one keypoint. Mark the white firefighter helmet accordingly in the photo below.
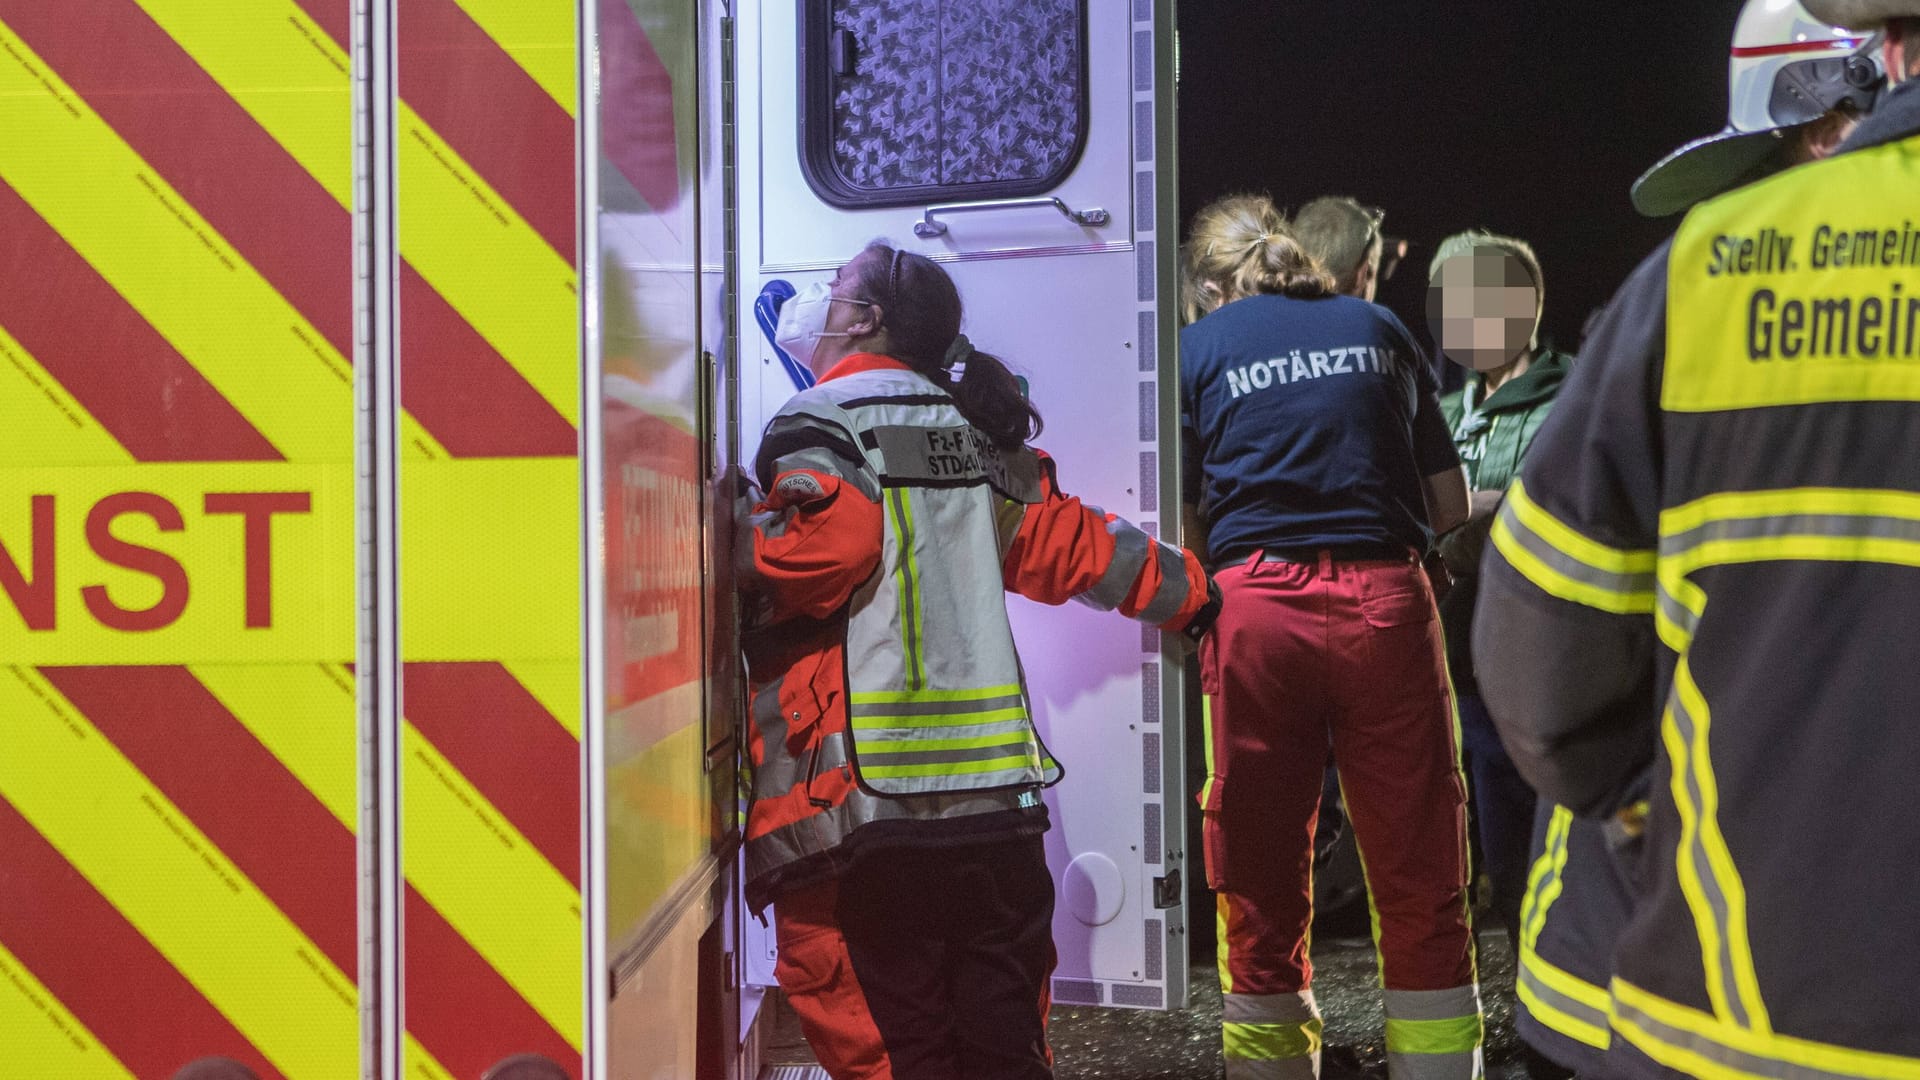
(1787, 69)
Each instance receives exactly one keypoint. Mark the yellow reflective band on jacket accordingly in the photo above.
(1558, 999)
(1708, 878)
(1800, 289)
(1562, 562)
(1786, 524)
(912, 626)
(927, 734)
(1691, 1041)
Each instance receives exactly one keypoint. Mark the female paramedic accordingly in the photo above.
(896, 813)
(1323, 471)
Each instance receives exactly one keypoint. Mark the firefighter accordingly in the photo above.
(896, 817)
(1580, 894)
(1703, 576)
(1323, 468)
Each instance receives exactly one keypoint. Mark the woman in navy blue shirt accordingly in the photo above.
(1320, 470)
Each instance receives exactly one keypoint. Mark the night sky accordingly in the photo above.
(1526, 118)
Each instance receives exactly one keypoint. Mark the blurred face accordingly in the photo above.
(1482, 308)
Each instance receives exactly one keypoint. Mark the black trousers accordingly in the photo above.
(951, 949)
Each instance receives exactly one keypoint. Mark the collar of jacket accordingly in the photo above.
(1538, 383)
(863, 361)
(1895, 118)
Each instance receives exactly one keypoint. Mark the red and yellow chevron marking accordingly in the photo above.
(176, 535)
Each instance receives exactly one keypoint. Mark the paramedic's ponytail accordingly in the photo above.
(921, 313)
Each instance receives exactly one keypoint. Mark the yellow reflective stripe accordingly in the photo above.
(896, 697)
(478, 253)
(492, 885)
(1770, 1054)
(1223, 942)
(1602, 570)
(1706, 532)
(278, 64)
(871, 722)
(907, 577)
(1545, 884)
(1725, 944)
(42, 415)
(170, 265)
(966, 742)
(1567, 539)
(1560, 1020)
(555, 684)
(306, 717)
(1453, 1035)
(895, 772)
(173, 885)
(41, 1032)
(1270, 1042)
(1206, 741)
(538, 34)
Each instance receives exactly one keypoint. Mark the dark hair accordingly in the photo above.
(920, 309)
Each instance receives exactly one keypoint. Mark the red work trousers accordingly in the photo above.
(1307, 653)
(925, 963)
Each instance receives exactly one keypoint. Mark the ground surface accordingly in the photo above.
(1118, 1044)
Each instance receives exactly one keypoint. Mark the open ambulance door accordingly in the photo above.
(1027, 146)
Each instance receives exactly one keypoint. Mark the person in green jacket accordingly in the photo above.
(1484, 303)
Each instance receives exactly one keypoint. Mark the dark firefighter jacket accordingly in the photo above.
(1710, 564)
(889, 707)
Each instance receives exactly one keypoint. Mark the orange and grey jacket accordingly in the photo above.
(889, 706)
(1708, 566)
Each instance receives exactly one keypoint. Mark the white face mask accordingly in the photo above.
(803, 321)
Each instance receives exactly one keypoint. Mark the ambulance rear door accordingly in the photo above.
(1026, 145)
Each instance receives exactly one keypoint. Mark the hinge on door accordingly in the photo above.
(1167, 891)
(730, 974)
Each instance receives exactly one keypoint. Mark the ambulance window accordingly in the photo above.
(909, 101)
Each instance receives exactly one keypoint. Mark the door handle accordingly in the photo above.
(927, 228)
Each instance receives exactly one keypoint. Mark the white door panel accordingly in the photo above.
(1076, 309)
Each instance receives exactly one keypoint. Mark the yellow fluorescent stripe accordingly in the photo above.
(170, 265)
(305, 716)
(282, 69)
(1223, 942)
(892, 697)
(992, 716)
(1555, 583)
(1569, 541)
(555, 685)
(1719, 856)
(1782, 502)
(418, 1063)
(41, 1031)
(967, 742)
(41, 416)
(1206, 741)
(1825, 1057)
(1563, 1022)
(173, 885)
(890, 772)
(489, 264)
(497, 890)
(538, 34)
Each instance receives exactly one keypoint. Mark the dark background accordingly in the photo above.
(1528, 117)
